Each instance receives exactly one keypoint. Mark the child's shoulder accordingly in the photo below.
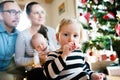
(57, 52)
(77, 51)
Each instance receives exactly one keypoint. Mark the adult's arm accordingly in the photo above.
(20, 50)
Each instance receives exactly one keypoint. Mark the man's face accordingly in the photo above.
(11, 14)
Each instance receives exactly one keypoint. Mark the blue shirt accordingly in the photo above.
(7, 46)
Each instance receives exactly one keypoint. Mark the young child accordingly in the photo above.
(41, 49)
(68, 63)
(39, 43)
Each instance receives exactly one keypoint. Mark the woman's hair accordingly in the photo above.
(43, 30)
(29, 7)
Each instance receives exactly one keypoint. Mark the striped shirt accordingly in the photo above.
(74, 68)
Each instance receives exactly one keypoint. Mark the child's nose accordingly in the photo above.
(71, 39)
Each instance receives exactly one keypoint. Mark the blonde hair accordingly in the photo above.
(66, 21)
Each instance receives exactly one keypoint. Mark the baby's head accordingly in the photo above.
(39, 42)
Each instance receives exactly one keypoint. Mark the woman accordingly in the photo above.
(24, 50)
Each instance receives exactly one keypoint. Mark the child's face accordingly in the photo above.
(40, 44)
(68, 33)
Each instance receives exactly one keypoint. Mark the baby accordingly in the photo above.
(41, 49)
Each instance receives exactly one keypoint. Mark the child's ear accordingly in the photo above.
(57, 36)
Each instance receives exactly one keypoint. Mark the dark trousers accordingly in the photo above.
(36, 74)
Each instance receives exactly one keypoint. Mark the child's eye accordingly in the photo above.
(65, 34)
(75, 35)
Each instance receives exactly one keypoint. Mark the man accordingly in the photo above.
(9, 18)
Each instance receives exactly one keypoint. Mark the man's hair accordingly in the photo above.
(3, 2)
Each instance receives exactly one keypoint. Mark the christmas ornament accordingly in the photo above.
(110, 1)
(113, 57)
(91, 53)
(95, 1)
(87, 16)
(117, 28)
(83, 21)
(83, 1)
(104, 57)
(109, 16)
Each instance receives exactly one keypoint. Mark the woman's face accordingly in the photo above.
(37, 15)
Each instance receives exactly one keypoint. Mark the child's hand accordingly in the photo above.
(97, 76)
(37, 66)
(67, 49)
(78, 46)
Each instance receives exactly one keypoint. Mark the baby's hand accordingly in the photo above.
(97, 76)
(37, 66)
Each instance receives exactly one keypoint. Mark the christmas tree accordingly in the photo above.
(102, 18)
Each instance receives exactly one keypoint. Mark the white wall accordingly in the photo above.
(69, 11)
